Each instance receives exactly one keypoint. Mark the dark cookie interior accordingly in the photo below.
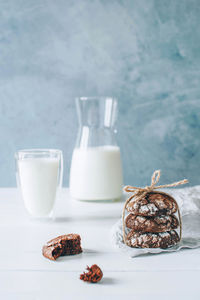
(68, 244)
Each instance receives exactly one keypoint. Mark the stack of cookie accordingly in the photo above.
(151, 221)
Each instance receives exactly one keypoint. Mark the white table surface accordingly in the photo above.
(26, 274)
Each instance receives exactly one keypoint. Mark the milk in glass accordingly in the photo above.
(39, 174)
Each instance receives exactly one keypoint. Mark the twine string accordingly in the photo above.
(139, 193)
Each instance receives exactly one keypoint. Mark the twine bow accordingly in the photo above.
(139, 193)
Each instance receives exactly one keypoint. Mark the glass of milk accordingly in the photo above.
(96, 169)
(39, 175)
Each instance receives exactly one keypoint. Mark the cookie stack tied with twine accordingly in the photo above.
(151, 221)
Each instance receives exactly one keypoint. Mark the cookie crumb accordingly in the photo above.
(93, 275)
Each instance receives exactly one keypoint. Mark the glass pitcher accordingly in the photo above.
(96, 170)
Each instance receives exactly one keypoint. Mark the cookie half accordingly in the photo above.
(68, 244)
(151, 224)
(153, 204)
(152, 240)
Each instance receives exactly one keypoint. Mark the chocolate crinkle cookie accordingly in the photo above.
(151, 224)
(153, 204)
(152, 240)
(68, 244)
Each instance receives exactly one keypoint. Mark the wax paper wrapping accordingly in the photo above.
(188, 200)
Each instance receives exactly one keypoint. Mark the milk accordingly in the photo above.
(38, 180)
(96, 173)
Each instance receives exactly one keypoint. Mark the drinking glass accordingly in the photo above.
(39, 174)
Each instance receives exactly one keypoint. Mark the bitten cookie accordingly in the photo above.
(152, 240)
(67, 244)
(153, 204)
(151, 224)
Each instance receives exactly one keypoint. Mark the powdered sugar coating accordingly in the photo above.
(153, 204)
(152, 240)
(151, 224)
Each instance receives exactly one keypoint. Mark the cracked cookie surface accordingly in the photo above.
(152, 240)
(151, 224)
(153, 204)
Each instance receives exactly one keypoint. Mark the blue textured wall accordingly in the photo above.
(145, 52)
